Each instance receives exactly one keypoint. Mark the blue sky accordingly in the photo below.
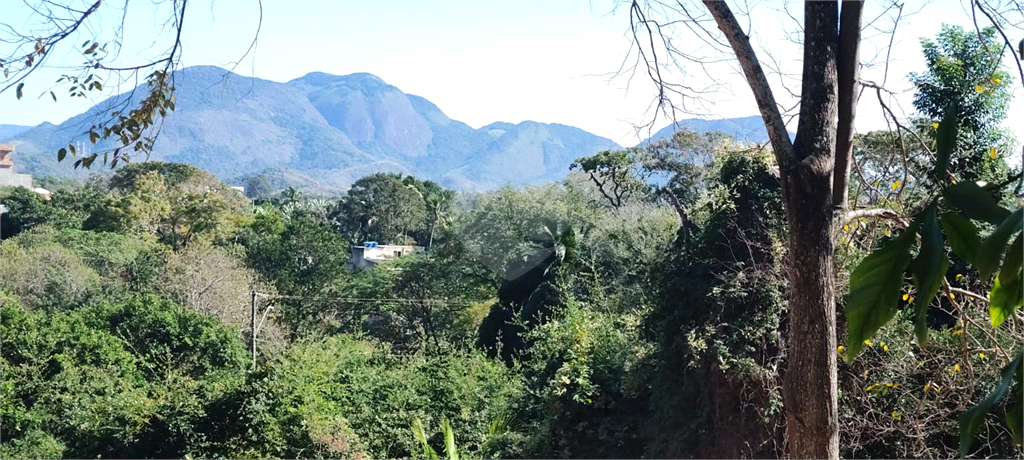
(479, 61)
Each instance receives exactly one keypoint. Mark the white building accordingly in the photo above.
(8, 178)
(370, 253)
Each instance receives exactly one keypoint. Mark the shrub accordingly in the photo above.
(130, 379)
(586, 399)
(209, 280)
(44, 274)
(715, 387)
(378, 394)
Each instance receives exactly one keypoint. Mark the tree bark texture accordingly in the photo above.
(814, 171)
(810, 387)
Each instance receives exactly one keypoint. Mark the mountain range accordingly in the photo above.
(323, 132)
(744, 129)
(9, 131)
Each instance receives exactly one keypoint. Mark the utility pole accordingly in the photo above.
(252, 316)
(3, 209)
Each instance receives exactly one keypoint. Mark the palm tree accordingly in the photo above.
(438, 205)
(290, 195)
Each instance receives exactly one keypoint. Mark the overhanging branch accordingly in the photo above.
(880, 213)
(755, 76)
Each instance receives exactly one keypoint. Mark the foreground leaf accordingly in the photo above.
(1007, 294)
(962, 235)
(1015, 410)
(449, 440)
(975, 202)
(1004, 299)
(992, 247)
(421, 436)
(875, 290)
(945, 142)
(929, 270)
(971, 421)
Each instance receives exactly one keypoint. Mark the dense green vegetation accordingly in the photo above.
(636, 309)
(556, 326)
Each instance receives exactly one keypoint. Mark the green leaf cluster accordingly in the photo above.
(877, 282)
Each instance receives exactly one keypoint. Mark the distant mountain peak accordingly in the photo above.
(744, 129)
(206, 72)
(324, 79)
(328, 130)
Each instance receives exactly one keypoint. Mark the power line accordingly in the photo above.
(357, 299)
(254, 307)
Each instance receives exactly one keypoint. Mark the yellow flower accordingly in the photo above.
(981, 355)
(979, 89)
(956, 368)
(896, 185)
(868, 343)
(888, 233)
(959, 276)
(920, 363)
(846, 227)
(911, 299)
(997, 80)
(896, 415)
(841, 349)
(927, 386)
(992, 153)
(906, 296)
(876, 183)
(935, 125)
(952, 295)
(885, 347)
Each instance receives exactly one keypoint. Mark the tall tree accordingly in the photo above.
(258, 185)
(965, 70)
(814, 171)
(381, 208)
(438, 201)
(175, 202)
(614, 174)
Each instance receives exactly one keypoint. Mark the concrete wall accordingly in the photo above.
(8, 179)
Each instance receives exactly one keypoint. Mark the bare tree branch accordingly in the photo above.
(883, 213)
(999, 27)
(740, 43)
(42, 46)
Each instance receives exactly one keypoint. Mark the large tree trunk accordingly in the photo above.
(809, 388)
(814, 171)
